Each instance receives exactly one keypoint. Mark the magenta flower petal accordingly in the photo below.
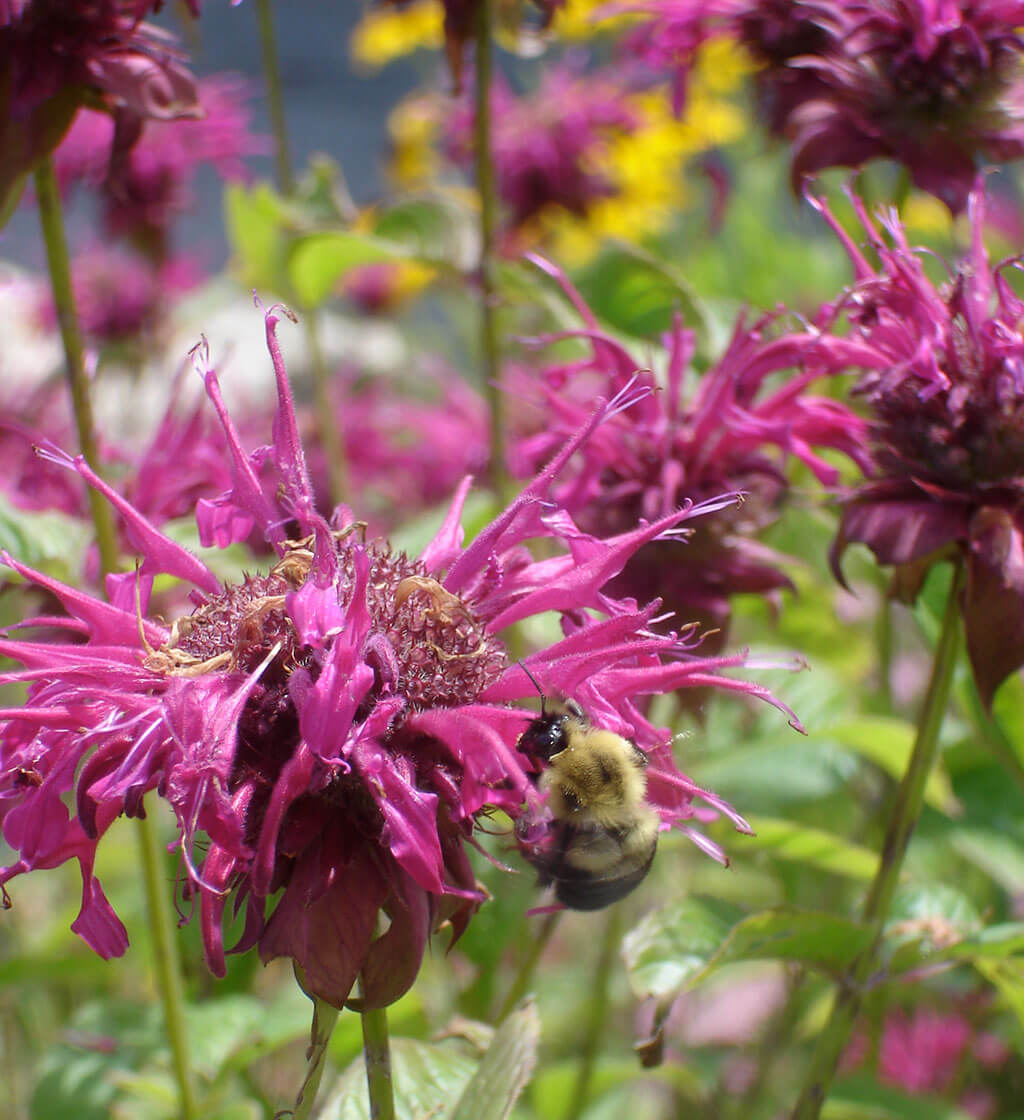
(328, 731)
(944, 386)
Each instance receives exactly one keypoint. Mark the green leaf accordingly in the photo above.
(1008, 713)
(1000, 856)
(317, 261)
(505, 1070)
(673, 944)
(433, 229)
(103, 1041)
(1007, 976)
(53, 542)
(636, 292)
(428, 1077)
(232, 1032)
(888, 744)
(924, 919)
(554, 1084)
(862, 1098)
(254, 221)
(825, 941)
(812, 847)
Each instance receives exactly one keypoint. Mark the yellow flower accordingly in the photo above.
(646, 171)
(575, 20)
(925, 214)
(413, 126)
(383, 35)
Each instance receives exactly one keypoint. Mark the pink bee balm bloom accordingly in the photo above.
(695, 438)
(407, 446)
(774, 33)
(945, 388)
(56, 55)
(328, 731)
(547, 144)
(120, 295)
(933, 86)
(921, 1053)
(142, 191)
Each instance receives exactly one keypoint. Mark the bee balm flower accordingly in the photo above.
(945, 387)
(332, 727)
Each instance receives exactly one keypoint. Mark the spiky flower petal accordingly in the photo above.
(328, 731)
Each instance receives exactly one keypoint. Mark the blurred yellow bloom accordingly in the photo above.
(924, 213)
(722, 66)
(413, 127)
(646, 170)
(384, 34)
(576, 20)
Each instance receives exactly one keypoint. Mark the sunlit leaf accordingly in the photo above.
(505, 1070)
(811, 847)
(428, 1077)
(888, 742)
(317, 261)
(863, 1098)
(673, 944)
(637, 292)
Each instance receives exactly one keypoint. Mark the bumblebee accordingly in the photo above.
(603, 834)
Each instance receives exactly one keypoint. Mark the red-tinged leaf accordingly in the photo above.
(994, 599)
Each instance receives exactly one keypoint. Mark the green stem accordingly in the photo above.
(326, 418)
(165, 961)
(902, 822)
(324, 1017)
(596, 1013)
(377, 1055)
(52, 220)
(489, 347)
(275, 98)
(524, 977)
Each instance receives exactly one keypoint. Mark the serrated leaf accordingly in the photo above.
(888, 744)
(505, 1070)
(427, 1076)
(317, 261)
(825, 941)
(812, 847)
(672, 945)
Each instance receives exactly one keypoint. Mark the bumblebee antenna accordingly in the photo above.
(540, 691)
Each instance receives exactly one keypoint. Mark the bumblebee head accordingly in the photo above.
(547, 734)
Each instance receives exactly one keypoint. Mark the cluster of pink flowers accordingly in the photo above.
(334, 725)
(933, 86)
